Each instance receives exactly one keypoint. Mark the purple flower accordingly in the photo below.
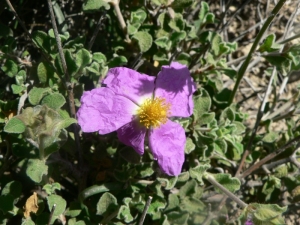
(249, 222)
(138, 106)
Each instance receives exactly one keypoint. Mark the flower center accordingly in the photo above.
(154, 112)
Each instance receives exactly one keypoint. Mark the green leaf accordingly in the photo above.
(5, 31)
(270, 185)
(124, 214)
(54, 101)
(130, 155)
(232, 184)
(44, 72)
(178, 218)
(60, 204)
(173, 202)
(215, 44)
(183, 177)
(10, 68)
(220, 146)
(209, 18)
(20, 77)
(42, 40)
(50, 188)
(239, 128)
(266, 214)
(15, 126)
(65, 123)
(227, 113)
(202, 104)
(99, 57)
(145, 169)
(206, 118)
(169, 182)
(181, 4)
(117, 61)
(80, 222)
(203, 11)
(94, 68)
(95, 5)
(131, 29)
(198, 172)
(28, 221)
(96, 189)
(189, 146)
(36, 169)
(163, 42)
(17, 89)
(6, 203)
(191, 205)
(184, 58)
(83, 58)
(159, 2)
(43, 218)
(138, 16)
(271, 137)
(144, 40)
(176, 37)
(63, 37)
(14, 188)
(177, 23)
(188, 189)
(71, 63)
(35, 95)
(74, 209)
(107, 204)
(269, 44)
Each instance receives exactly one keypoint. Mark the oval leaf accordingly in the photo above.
(15, 125)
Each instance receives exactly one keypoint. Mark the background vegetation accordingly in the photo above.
(242, 159)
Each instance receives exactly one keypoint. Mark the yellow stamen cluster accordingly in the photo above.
(154, 112)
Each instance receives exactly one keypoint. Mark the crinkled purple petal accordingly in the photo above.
(129, 83)
(133, 134)
(175, 84)
(249, 222)
(167, 144)
(104, 111)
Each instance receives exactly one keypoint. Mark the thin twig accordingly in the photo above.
(210, 215)
(242, 34)
(51, 214)
(259, 116)
(289, 39)
(268, 167)
(116, 5)
(235, 13)
(291, 21)
(213, 181)
(69, 89)
(145, 210)
(270, 157)
(35, 44)
(58, 41)
(260, 34)
(102, 17)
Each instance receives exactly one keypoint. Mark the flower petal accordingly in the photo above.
(104, 111)
(167, 145)
(175, 84)
(132, 134)
(130, 83)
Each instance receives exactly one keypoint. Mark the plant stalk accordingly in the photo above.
(259, 36)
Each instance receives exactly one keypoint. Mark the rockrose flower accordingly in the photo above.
(138, 106)
(249, 222)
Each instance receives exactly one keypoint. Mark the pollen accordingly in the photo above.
(154, 112)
